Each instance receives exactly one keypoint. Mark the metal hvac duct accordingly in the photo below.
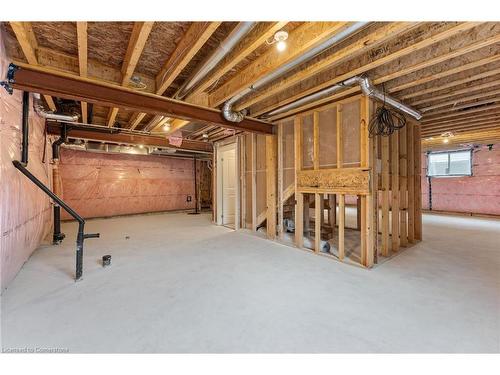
(367, 88)
(224, 48)
(234, 116)
(49, 115)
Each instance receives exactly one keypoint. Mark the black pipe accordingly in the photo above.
(90, 110)
(81, 222)
(195, 187)
(26, 127)
(57, 237)
(58, 142)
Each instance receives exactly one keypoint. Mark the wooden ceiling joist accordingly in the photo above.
(352, 50)
(195, 37)
(27, 40)
(462, 99)
(384, 60)
(37, 79)
(137, 41)
(489, 136)
(300, 40)
(81, 32)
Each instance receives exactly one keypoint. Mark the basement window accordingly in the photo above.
(449, 163)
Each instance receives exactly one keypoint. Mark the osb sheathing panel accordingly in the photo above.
(60, 36)
(108, 41)
(350, 133)
(288, 154)
(328, 138)
(307, 141)
(161, 42)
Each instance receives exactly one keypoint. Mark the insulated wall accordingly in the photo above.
(102, 185)
(476, 194)
(25, 211)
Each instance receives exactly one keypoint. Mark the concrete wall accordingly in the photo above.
(25, 211)
(101, 185)
(477, 194)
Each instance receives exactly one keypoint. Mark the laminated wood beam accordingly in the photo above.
(117, 136)
(37, 79)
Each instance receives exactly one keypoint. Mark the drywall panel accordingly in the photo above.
(102, 185)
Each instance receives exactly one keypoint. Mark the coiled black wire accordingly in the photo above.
(385, 122)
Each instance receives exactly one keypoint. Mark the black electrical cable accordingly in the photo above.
(385, 122)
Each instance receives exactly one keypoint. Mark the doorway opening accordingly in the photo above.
(227, 185)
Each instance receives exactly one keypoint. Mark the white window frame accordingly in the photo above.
(449, 153)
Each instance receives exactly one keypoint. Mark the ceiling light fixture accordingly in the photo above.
(279, 38)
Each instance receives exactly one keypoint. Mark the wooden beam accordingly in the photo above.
(300, 40)
(462, 128)
(439, 117)
(454, 102)
(341, 197)
(192, 41)
(137, 41)
(27, 40)
(352, 50)
(118, 136)
(403, 187)
(37, 79)
(254, 182)
(418, 184)
(268, 30)
(451, 84)
(81, 33)
(482, 137)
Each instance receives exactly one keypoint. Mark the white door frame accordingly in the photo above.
(221, 148)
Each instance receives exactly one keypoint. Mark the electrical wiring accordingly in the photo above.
(386, 121)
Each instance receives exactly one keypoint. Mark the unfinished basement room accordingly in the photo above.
(250, 186)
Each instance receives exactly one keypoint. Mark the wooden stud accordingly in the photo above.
(244, 181)
(403, 187)
(254, 182)
(271, 145)
(417, 183)
(341, 226)
(410, 138)
(385, 196)
(394, 140)
(280, 181)
(299, 197)
(318, 213)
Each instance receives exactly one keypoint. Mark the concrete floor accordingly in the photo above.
(180, 284)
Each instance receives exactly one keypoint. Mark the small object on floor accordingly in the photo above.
(106, 260)
(127, 237)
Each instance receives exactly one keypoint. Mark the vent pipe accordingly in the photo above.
(367, 88)
(312, 52)
(224, 48)
(49, 115)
